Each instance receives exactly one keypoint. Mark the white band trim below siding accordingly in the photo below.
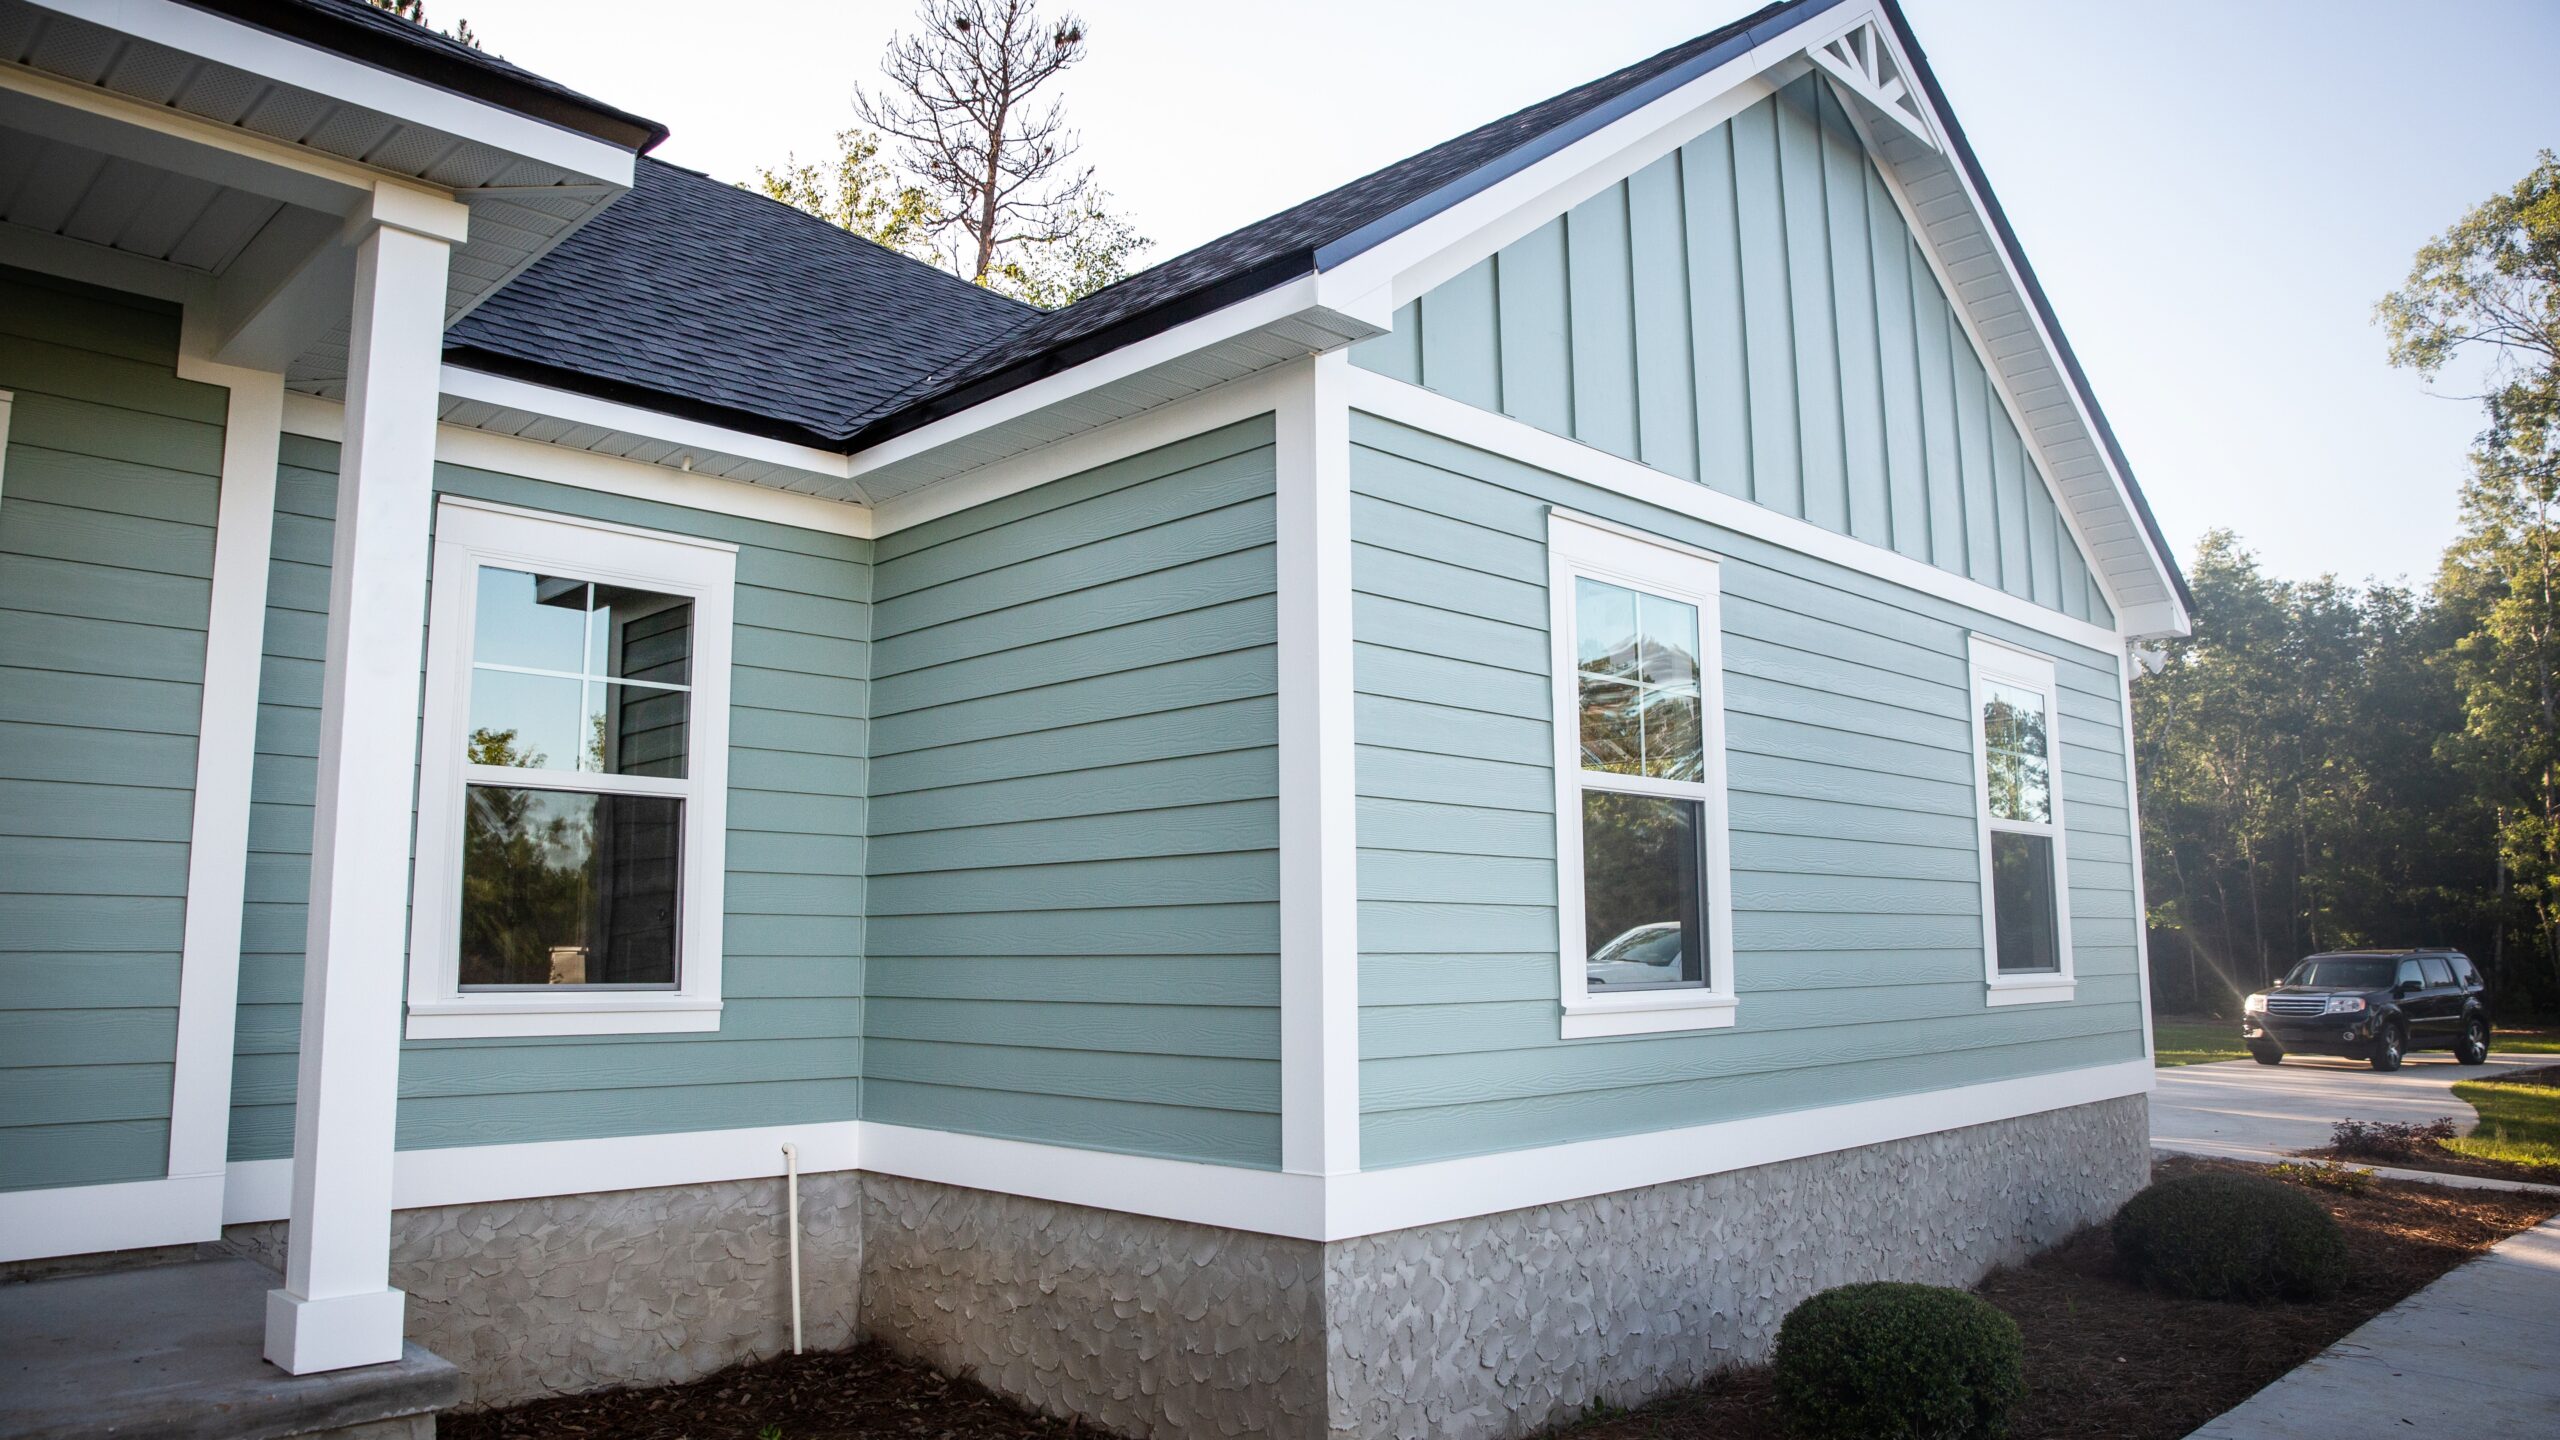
(1391, 399)
(1305, 1207)
(91, 1219)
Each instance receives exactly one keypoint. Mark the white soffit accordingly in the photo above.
(528, 183)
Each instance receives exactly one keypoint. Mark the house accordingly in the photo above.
(1423, 815)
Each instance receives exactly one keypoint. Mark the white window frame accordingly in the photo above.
(1997, 661)
(470, 534)
(1580, 546)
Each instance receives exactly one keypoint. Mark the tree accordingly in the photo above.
(2489, 287)
(1007, 203)
(415, 12)
(859, 193)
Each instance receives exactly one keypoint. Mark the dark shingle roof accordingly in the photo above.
(383, 40)
(700, 298)
(1247, 261)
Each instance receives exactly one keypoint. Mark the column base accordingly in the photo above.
(338, 1332)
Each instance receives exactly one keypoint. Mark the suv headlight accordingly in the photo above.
(2345, 1004)
(2254, 1005)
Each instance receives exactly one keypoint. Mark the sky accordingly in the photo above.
(2214, 194)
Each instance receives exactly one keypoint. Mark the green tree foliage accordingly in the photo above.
(2324, 765)
(415, 12)
(985, 182)
(857, 191)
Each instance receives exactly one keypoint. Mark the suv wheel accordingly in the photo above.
(2474, 1048)
(2266, 1054)
(2388, 1049)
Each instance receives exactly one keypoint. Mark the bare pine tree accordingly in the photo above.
(962, 97)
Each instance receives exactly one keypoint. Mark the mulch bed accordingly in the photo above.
(2106, 1360)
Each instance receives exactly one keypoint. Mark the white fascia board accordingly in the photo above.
(351, 82)
(1282, 302)
(2159, 619)
(1391, 399)
(1267, 1202)
(462, 383)
(319, 419)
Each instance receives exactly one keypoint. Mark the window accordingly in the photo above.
(572, 779)
(2018, 785)
(2409, 974)
(2438, 972)
(1643, 894)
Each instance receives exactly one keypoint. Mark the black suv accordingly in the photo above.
(2375, 1005)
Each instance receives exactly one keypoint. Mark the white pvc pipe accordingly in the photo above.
(791, 1184)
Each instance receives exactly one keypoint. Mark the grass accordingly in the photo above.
(2519, 1120)
(2195, 1039)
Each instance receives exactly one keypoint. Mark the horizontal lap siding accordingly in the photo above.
(1751, 312)
(1856, 889)
(1074, 861)
(789, 1046)
(107, 502)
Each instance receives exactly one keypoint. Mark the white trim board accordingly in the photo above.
(1391, 399)
(1270, 1202)
(131, 1215)
(319, 419)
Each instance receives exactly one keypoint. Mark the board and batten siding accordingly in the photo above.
(1858, 930)
(1750, 312)
(1074, 843)
(107, 501)
(788, 1049)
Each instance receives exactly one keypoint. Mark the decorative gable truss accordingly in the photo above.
(1925, 174)
(1862, 61)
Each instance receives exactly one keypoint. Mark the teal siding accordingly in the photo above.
(1820, 372)
(789, 1047)
(1857, 923)
(1074, 857)
(107, 501)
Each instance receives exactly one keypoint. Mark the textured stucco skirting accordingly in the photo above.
(1501, 1325)
(1147, 1327)
(582, 1292)
(1473, 1330)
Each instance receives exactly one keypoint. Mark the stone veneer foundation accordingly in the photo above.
(1475, 1329)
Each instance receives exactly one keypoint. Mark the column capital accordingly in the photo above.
(416, 209)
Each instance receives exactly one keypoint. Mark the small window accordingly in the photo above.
(2410, 974)
(2438, 972)
(2465, 971)
(572, 786)
(1640, 798)
(2027, 918)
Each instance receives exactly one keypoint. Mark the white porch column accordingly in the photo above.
(337, 1307)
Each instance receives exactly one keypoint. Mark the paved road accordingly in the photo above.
(2476, 1354)
(2249, 1111)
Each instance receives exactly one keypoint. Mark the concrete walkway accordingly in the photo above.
(2242, 1110)
(2476, 1354)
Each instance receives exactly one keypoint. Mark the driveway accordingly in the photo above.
(2244, 1110)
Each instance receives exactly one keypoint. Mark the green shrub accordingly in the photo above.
(1891, 1361)
(2218, 1236)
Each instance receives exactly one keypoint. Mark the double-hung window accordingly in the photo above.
(2018, 788)
(572, 779)
(1643, 892)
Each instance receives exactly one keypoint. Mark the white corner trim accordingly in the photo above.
(463, 383)
(1619, 556)
(1391, 399)
(8, 400)
(319, 419)
(468, 535)
(90, 1219)
(226, 743)
(2125, 671)
(350, 82)
(1239, 399)
(1319, 854)
(475, 1174)
(1268, 1202)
